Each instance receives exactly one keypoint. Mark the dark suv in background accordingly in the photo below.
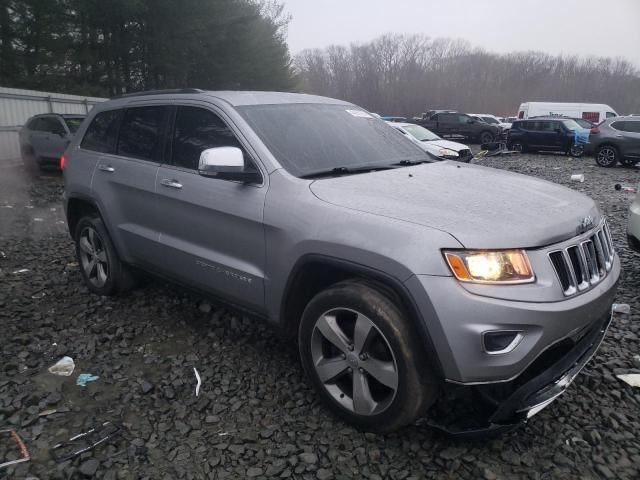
(450, 123)
(44, 138)
(546, 133)
(616, 140)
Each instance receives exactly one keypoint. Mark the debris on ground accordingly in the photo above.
(13, 447)
(83, 442)
(22, 270)
(85, 378)
(64, 367)
(632, 379)
(623, 308)
(199, 381)
(577, 177)
(625, 188)
(493, 149)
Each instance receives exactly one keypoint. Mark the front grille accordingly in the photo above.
(584, 264)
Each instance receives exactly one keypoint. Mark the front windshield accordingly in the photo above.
(73, 123)
(571, 124)
(421, 133)
(311, 138)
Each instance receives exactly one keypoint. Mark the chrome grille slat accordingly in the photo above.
(582, 265)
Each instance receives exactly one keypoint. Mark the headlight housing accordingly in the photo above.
(445, 152)
(507, 267)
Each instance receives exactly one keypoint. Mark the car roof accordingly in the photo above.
(402, 124)
(63, 115)
(235, 98)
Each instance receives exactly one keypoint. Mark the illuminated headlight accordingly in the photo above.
(481, 266)
(445, 152)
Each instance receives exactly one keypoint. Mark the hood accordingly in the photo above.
(481, 207)
(455, 146)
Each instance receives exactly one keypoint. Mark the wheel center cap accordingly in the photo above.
(352, 359)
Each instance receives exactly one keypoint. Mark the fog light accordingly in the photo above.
(500, 341)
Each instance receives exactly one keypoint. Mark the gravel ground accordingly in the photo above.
(256, 416)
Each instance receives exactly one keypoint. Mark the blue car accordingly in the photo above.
(548, 134)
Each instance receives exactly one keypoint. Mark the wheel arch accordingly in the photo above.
(313, 273)
(78, 207)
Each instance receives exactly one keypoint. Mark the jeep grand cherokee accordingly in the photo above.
(398, 276)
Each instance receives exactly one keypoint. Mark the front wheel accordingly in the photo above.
(607, 156)
(486, 137)
(363, 359)
(628, 162)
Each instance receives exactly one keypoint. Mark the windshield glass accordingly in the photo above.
(489, 119)
(73, 123)
(310, 138)
(571, 124)
(421, 133)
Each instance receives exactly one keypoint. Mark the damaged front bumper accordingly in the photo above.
(505, 407)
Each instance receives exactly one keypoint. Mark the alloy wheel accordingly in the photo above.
(354, 361)
(576, 150)
(606, 156)
(517, 147)
(93, 257)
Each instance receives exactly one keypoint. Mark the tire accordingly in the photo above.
(100, 266)
(390, 348)
(576, 151)
(518, 147)
(607, 156)
(486, 137)
(629, 162)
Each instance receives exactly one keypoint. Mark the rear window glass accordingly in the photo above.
(102, 133)
(73, 123)
(141, 133)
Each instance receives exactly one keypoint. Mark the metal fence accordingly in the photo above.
(17, 106)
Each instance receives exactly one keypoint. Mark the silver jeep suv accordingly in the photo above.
(402, 279)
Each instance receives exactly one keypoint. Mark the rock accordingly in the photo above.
(324, 474)
(88, 468)
(310, 458)
(146, 387)
(254, 472)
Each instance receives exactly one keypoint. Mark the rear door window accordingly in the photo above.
(142, 133)
(622, 126)
(36, 125)
(52, 125)
(196, 130)
(633, 126)
(102, 133)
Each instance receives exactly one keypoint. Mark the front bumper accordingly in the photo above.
(539, 386)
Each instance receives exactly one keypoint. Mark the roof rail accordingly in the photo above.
(159, 92)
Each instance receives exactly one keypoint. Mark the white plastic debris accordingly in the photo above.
(38, 219)
(22, 270)
(199, 381)
(632, 379)
(577, 177)
(623, 308)
(64, 367)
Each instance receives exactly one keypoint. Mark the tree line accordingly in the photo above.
(108, 47)
(408, 74)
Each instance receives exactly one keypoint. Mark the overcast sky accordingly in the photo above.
(588, 27)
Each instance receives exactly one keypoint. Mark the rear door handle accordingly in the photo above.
(170, 183)
(106, 168)
(621, 136)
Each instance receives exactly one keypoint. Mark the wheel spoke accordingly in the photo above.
(328, 370)
(92, 238)
(85, 246)
(363, 402)
(362, 333)
(329, 328)
(89, 267)
(101, 256)
(384, 372)
(101, 273)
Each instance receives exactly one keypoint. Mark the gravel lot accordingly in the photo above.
(255, 415)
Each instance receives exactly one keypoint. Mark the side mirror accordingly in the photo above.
(225, 163)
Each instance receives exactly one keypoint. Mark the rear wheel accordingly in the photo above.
(518, 147)
(607, 156)
(576, 151)
(100, 265)
(363, 359)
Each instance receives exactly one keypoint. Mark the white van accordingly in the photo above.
(593, 112)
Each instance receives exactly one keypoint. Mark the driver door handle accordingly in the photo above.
(106, 168)
(170, 183)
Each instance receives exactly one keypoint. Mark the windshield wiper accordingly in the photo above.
(411, 162)
(337, 171)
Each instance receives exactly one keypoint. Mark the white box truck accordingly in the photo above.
(593, 112)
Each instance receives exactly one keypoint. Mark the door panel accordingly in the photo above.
(212, 234)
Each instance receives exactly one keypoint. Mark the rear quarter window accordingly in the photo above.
(102, 133)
